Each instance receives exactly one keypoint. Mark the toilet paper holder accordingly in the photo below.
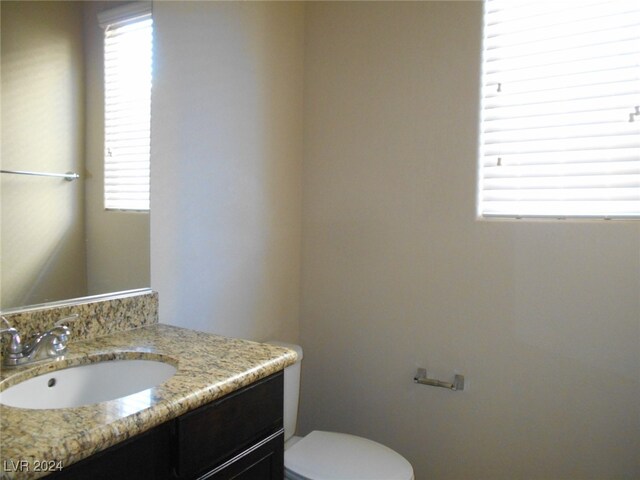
(422, 379)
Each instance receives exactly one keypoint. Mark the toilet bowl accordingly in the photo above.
(329, 455)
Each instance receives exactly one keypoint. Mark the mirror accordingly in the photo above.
(56, 239)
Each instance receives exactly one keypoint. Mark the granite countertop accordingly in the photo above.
(208, 367)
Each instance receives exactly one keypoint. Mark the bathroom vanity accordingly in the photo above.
(237, 436)
(219, 415)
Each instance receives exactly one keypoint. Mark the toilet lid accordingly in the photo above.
(338, 456)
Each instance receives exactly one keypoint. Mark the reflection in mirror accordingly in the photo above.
(56, 239)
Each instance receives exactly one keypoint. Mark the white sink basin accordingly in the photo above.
(87, 384)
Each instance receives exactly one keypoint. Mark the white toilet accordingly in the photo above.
(330, 455)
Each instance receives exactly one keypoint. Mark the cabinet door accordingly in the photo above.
(264, 461)
(215, 433)
(146, 456)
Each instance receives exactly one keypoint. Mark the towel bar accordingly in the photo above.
(69, 176)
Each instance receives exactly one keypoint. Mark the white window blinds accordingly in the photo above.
(560, 120)
(128, 41)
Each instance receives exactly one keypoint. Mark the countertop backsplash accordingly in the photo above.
(96, 316)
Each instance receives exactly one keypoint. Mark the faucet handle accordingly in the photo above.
(59, 342)
(15, 345)
(65, 320)
(62, 332)
(6, 322)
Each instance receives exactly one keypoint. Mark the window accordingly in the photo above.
(128, 41)
(560, 117)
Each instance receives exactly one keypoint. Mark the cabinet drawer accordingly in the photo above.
(216, 432)
(264, 461)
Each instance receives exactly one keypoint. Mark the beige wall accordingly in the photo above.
(226, 160)
(118, 255)
(543, 319)
(43, 251)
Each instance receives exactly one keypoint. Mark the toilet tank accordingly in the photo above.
(291, 390)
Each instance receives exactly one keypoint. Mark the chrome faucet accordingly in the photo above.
(50, 344)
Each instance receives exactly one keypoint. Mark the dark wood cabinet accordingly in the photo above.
(239, 436)
(264, 461)
(147, 455)
(212, 433)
